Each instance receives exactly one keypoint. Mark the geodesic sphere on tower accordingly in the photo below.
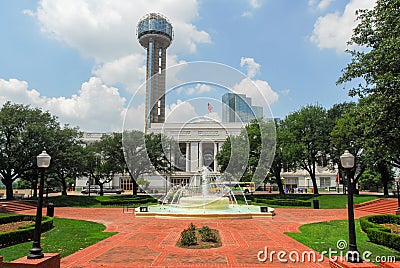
(154, 26)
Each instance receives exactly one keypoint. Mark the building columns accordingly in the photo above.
(215, 159)
(200, 155)
(187, 168)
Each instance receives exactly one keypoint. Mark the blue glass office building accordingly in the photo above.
(238, 108)
(155, 33)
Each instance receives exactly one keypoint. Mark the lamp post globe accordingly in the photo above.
(347, 162)
(43, 162)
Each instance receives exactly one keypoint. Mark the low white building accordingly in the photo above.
(300, 179)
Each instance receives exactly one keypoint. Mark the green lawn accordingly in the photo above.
(326, 201)
(340, 200)
(67, 237)
(323, 236)
(91, 201)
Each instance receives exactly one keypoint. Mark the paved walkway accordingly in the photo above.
(144, 242)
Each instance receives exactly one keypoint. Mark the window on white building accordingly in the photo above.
(325, 182)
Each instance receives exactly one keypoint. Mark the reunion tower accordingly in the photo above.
(155, 33)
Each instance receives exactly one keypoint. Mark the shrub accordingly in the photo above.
(24, 233)
(207, 235)
(284, 202)
(380, 234)
(188, 236)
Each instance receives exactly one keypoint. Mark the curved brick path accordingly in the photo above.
(144, 242)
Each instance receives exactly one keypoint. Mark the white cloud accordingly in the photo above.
(129, 71)
(251, 65)
(247, 14)
(334, 30)
(259, 91)
(255, 3)
(320, 4)
(215, 116)
(134, 117)
(198, 89)
(105, 30)
(96, 107)
(180, 112)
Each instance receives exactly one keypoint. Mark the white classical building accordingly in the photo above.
(198, 142)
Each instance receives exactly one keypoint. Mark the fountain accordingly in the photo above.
(204, 197)
(205, 200)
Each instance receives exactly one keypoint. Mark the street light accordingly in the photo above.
(43, 162)
(352, 255)
(397, 179)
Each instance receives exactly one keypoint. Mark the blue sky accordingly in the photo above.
(80, 59)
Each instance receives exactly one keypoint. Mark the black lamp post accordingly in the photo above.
(397, 179)
(47, 188)
(43, 162)
(352, 255)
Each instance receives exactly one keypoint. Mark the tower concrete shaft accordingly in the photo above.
(155, 33)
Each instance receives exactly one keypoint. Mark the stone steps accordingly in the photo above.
(379, 206)
(15, 206)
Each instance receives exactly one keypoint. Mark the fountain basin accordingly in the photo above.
(232, 212)
(204, 202)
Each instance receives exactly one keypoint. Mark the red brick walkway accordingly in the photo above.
(144, 242)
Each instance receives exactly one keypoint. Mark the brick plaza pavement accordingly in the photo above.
(147, 242)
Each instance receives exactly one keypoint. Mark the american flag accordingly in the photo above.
(210, 107)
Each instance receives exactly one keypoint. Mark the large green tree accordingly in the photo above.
(146, 154)
(305, 135)
(67, 156)
(104, 159)
(283, 160)
(248, 156)
(24, 133)
(374, 75)
(348, 134)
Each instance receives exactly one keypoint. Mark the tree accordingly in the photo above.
(248, 156)
(348, 134)
(104, 159)
(24, 133)
(67, 158)
(282, 160)
(377, 66)
(305, 136)
(146, 154)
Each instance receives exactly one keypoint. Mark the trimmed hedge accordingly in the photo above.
(284, 202)
(380, 234)
(126, 201)
(24, 233)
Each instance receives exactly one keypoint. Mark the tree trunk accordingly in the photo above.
(34, 188)
(385, 188)
(134, 187)
(278, 180)
(101, 193)
(9, 190)
(314, 182)
(383, 169)
(64, 187)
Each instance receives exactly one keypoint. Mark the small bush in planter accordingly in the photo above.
(207, 235)
(188, 236)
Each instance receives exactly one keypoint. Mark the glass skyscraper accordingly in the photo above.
(238, 108)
